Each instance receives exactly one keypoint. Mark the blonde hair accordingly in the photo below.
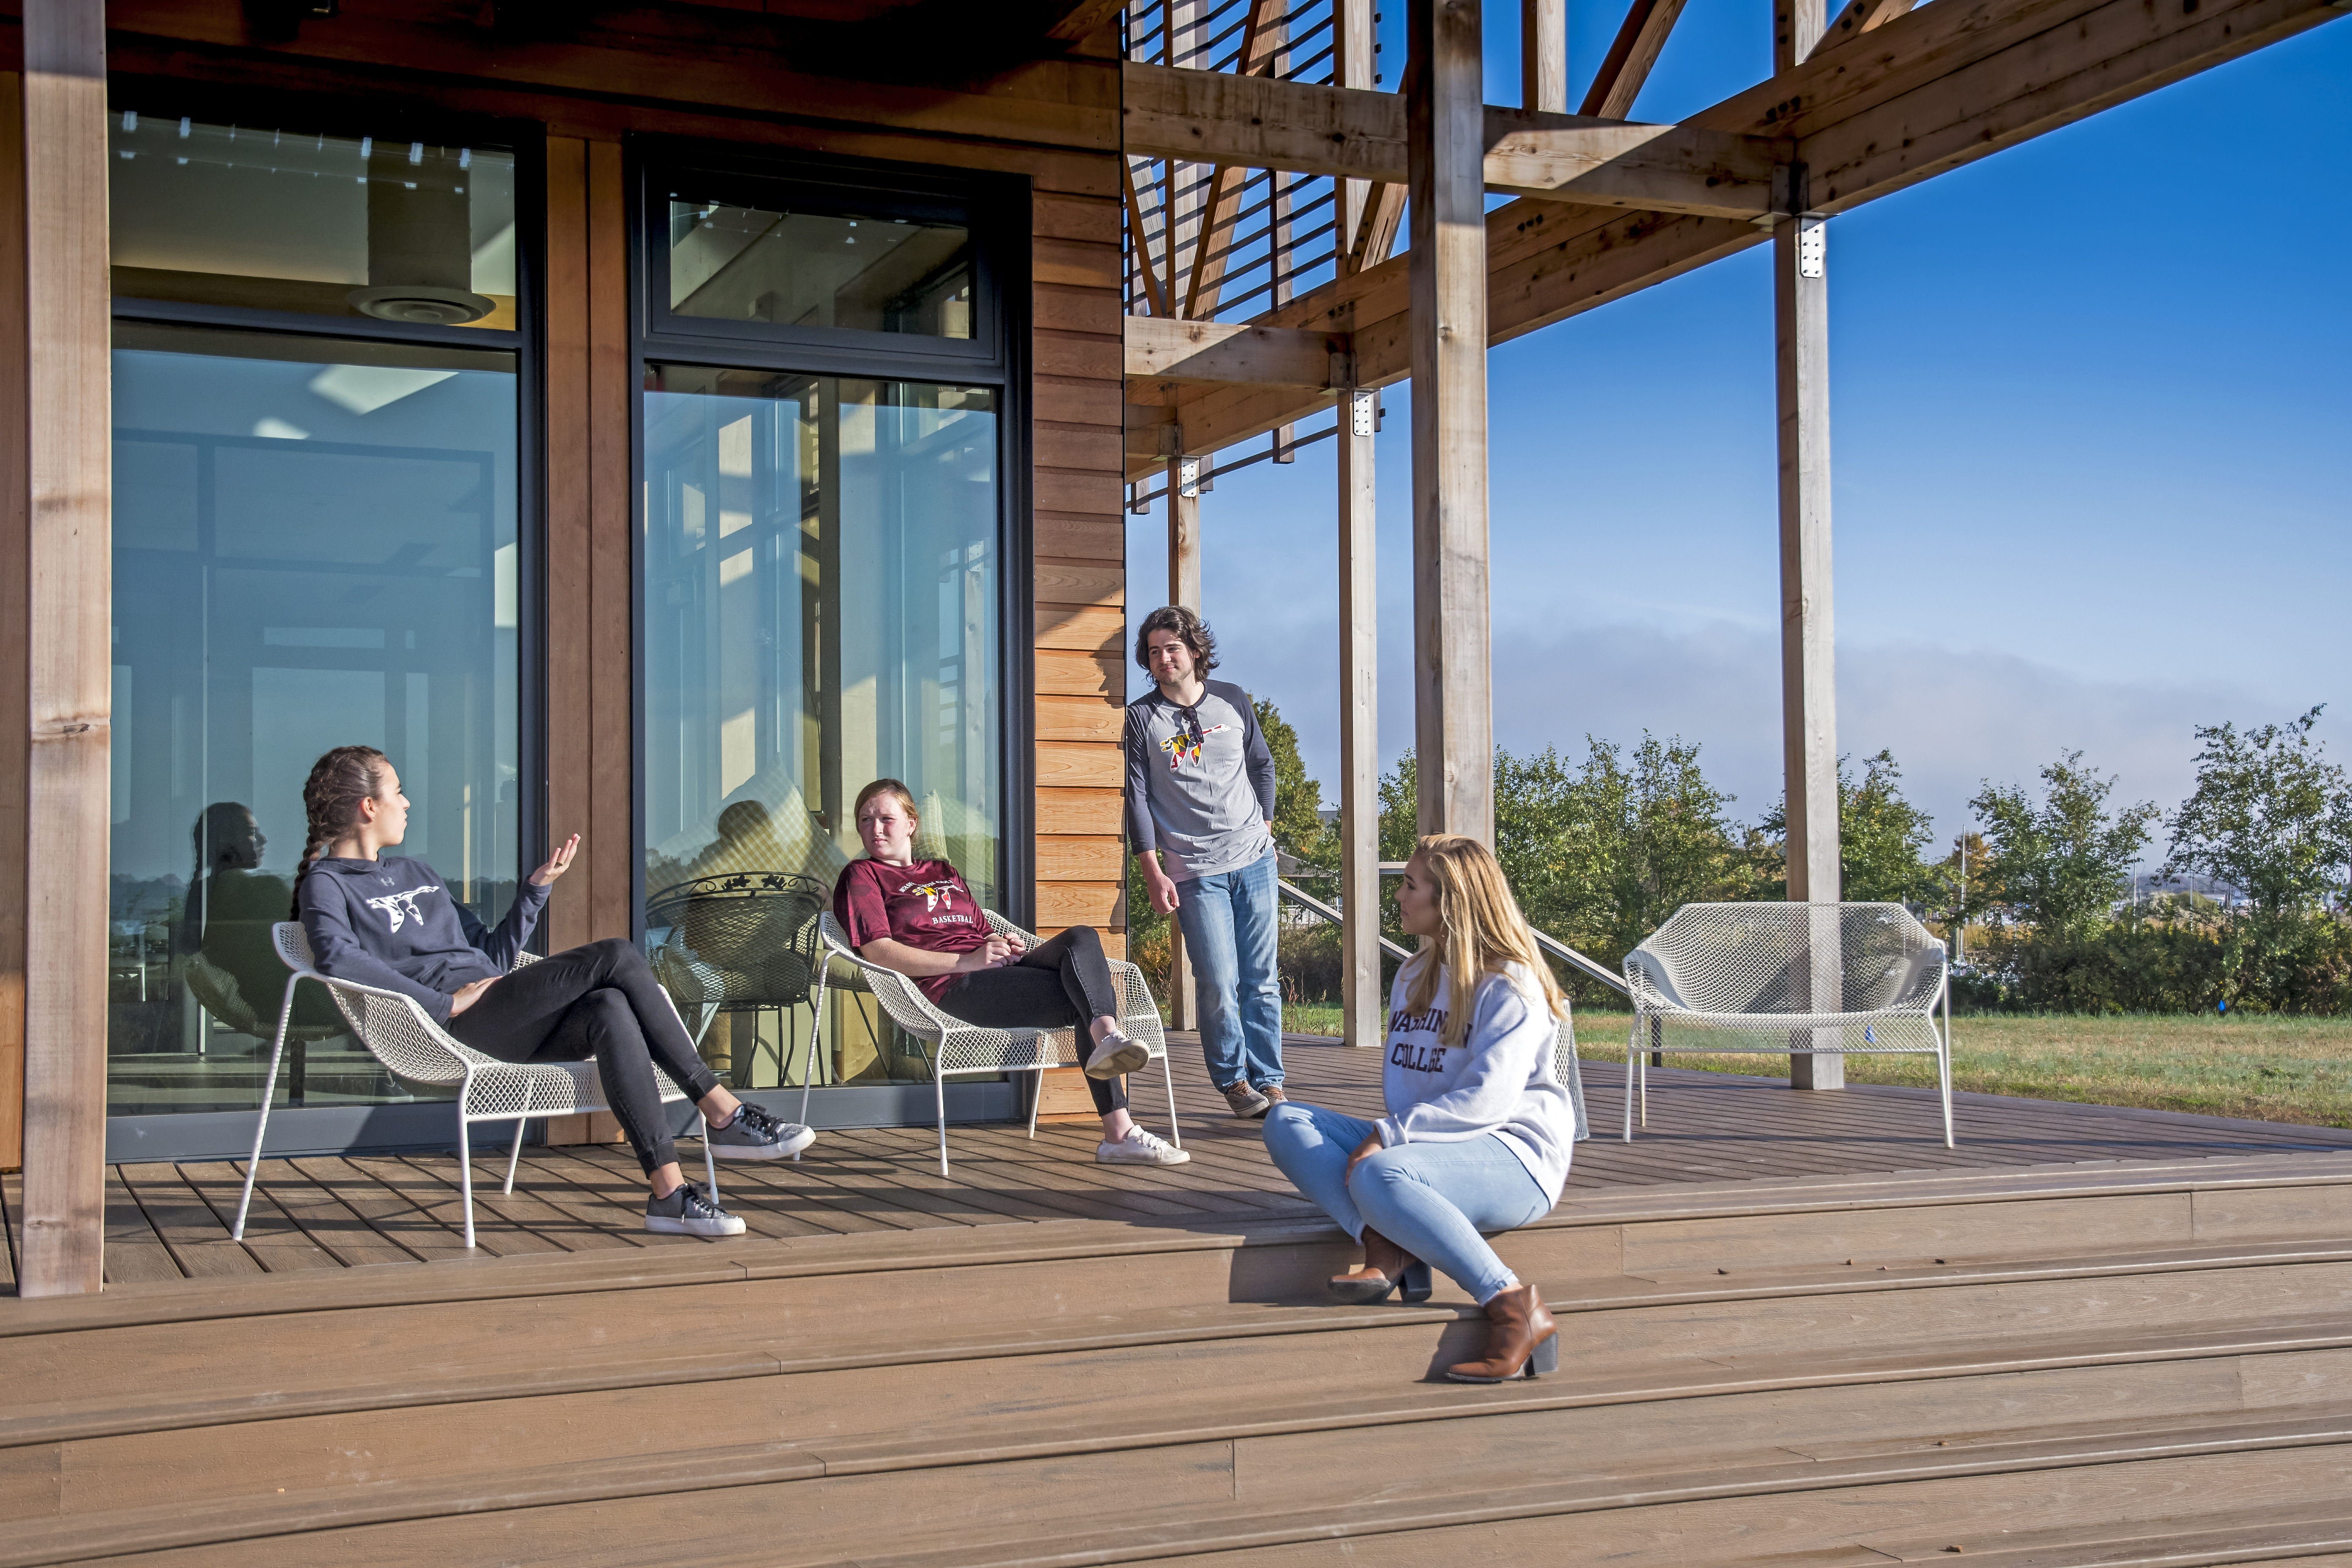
(885, 786)
(1483, 931)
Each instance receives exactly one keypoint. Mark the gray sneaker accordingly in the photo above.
(1247, 1102)
(756, 1135)
(688, 1211)
(1117, 1055)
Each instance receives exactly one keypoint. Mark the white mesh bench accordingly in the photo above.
(1799, 979)
(957, 1048)
(398, 1032)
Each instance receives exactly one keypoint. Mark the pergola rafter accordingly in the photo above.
(1927, 91)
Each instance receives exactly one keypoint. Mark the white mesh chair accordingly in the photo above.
(957, 1048)
(1752, 979)
(1563, 1062)
(399, 1033)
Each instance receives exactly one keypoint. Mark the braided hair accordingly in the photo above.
(339, 781)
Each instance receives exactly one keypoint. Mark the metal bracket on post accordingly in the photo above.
(1812, 244)
(1188, 478)
(1360, 410)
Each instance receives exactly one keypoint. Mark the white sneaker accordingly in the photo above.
(1140, 1148)
(1117, 1055)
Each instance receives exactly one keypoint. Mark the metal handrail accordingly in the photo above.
(1559, 950)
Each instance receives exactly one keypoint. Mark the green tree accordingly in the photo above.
(2060, 864)
(1298, 826)
(1880, 835)
(2270, 815)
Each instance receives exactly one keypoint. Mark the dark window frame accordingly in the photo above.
(995, 208)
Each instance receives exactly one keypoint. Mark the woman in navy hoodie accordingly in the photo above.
(390, 921)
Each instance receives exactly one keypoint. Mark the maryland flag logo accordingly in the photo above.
(934, 893)
(1184, 746)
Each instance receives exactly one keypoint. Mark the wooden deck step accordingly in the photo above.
(1186, 1499)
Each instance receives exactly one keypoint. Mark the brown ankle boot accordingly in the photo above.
(1520, 1336)
(1386, 1266)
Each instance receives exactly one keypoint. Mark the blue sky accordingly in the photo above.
(2093, 479)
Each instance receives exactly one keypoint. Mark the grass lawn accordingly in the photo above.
(2264, 1069)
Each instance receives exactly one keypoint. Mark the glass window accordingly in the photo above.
(821, 609)
(819, 269)
(314, 544)
(279, 219)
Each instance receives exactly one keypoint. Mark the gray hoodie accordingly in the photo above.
(391, 924)
(1499, 1079)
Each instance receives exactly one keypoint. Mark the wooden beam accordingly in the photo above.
(1226, 185)
(1222, 119)
(1801, 310)
(1362, 1000)
(1140, 239)
(1376, 232)
(1184, 588)
(1640, 40)
(1353, 50)
(15, 617)
(1859, 17)
(1162, 349)
(1945, 85)
(1543, 56)
(69, 579)
(1453, 706)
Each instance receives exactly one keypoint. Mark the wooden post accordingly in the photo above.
(1184, 588)
(69, 424)
(15, 611)
(1362, 1003)
(1543, 54)
(1808, 662)
(1446, 127)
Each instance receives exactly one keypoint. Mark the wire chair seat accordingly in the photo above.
(1751, 976)
(743, 943)
(954, 1048)
(398, 1031)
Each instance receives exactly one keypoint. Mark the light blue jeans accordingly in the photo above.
(1230, 922)
(1432, 1199)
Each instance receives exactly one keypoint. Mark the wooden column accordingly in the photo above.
(15, 610)
(1184, 588)
(1543, 54)
(1362, 1003)
(1808, 663)
(1445, 123)
(69, 424)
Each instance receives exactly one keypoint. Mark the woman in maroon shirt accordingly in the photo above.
(917, 918)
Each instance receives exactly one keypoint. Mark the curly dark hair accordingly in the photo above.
(1190, 629)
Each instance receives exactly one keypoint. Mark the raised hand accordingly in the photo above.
(557, 863)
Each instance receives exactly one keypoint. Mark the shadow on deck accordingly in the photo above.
(169, 1222)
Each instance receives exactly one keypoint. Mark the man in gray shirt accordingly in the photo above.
(1200, 811)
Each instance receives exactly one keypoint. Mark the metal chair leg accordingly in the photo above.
(709, 1161)
(1632, 1038)
(268, 1093)
(1168, 1077)
(466, 1169)
(522, 1125)
(1036, 1094)
(940, 1089)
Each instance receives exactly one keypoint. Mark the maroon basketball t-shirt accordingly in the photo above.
(924, 905)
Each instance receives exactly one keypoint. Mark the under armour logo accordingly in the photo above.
(402, 906)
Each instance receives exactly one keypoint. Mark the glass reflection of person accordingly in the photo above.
(231, 905)
(389, 922)
(916, 917)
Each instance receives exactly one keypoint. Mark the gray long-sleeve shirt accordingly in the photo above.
(1499, 1079)
(1200, 781)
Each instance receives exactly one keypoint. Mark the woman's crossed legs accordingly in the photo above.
(1432, 1199)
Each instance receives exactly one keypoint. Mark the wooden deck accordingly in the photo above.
(167, 1223)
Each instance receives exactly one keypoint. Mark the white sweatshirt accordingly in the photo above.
(1500, 1079)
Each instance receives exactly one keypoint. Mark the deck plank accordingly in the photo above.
(183, 1222)
(312, 1215)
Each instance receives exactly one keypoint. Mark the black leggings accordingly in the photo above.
(597, 1001)
(1062, 983)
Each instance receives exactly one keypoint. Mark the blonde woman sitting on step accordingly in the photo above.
(1479, 1127)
